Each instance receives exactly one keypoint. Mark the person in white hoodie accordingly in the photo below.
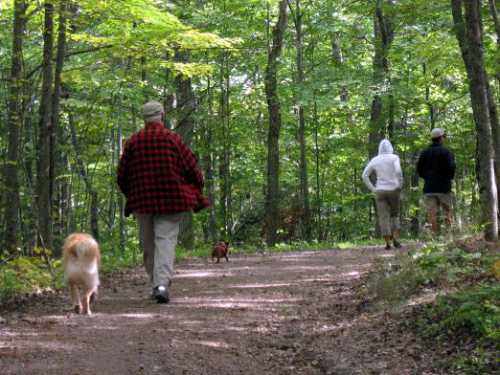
(387, 189)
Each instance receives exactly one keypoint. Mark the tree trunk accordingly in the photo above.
(383, 37)
(432, 108)
(495, 125)
(469, 36)
(94, 201)
(45, 126)
(495, 132)
(319, 223)
(209, 174)
(303, 177)
(185, 127)
(121, 201)
(494, 16)
(225, 156)
(56, 156)
(29, 139)
(339, 61)
(273, 103)
(14, 121)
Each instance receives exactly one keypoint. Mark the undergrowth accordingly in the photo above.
(34, 274)
(466, 313)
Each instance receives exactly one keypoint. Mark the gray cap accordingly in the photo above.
(152, 109)
(437, 132)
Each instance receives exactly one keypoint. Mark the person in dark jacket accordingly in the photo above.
(436, 165)
(159, 176)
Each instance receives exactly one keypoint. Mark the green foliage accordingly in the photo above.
(469, 315)
(199, 252)
(467, 308)
(474, 311)
(149, 28)
(111, 262)
(28, 275)
(122, 53)
(437, 265)
(451, 265)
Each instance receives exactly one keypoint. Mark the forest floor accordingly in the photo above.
(287, 313)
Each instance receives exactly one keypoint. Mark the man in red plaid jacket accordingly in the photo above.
(159, 176)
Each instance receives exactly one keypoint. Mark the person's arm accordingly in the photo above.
(122, 173)
(399, 172)
(366, 176)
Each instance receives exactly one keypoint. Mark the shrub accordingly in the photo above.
(29, 274)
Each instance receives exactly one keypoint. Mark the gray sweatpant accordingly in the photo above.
(158, 238)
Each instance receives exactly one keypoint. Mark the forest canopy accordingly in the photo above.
(341, 74)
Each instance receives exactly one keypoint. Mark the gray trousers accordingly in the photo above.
(158, 238)
(388, 203)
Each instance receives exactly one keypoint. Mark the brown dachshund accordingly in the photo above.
(220, 250)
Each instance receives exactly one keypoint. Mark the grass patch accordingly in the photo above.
(470, 320)
(440, 266)
(466, 313)
(29, 275)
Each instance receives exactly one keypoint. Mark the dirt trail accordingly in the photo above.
(293, 313)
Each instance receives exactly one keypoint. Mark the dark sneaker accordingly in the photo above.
(397, 244)
(160, 294)
(153, 295)
(387, 246)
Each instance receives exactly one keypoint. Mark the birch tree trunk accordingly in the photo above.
(495, 125)
(121, 200)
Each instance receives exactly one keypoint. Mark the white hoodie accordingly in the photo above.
(387, 169)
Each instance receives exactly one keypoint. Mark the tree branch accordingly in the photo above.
(69, 54)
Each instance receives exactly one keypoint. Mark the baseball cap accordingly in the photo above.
(437, 132)
(152, 109)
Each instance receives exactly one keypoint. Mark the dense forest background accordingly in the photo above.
(283, 102)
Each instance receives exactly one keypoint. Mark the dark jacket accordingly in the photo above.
(436, 165)
(158, 173)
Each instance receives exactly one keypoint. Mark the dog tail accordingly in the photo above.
(81, 246)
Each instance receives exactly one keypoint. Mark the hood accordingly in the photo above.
(385, 147)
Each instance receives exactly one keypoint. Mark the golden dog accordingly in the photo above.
(81, 259)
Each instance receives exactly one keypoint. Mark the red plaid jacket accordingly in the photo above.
(158, 173)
